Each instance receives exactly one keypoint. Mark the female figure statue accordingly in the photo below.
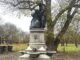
(38, 20)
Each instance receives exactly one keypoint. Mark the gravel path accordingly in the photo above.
(9, 56)
(66, 56)
(58, 56)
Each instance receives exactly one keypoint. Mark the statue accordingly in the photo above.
(38, 20)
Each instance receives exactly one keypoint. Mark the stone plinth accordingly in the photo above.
(37, 47)
(40, 57)
(37, 38)
(24, 57)
(44, 57)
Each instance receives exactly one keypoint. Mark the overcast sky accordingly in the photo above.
(22, 23)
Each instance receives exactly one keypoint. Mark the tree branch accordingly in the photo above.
(30, 3)
(59, 14)
(7, 2)
(69, 19)
(77, 5)
(72, 4)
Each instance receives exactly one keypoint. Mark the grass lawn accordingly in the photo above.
(68, 48)
(19, 47)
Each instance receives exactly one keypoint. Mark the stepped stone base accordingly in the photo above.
(37, 47)
(40, 57)
(37, 38)
(24, 57)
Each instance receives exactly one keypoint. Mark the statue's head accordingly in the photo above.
(36, 11)
(40, 4)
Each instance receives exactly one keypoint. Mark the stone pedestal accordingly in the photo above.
(37, 47)
(37, 38)
(41, 57)
(24, 57)
(44, 57)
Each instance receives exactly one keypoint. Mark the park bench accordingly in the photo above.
(5, 48)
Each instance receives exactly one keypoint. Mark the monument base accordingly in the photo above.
(40, 57)
(37, 47)
(37, 38)
(24, 57)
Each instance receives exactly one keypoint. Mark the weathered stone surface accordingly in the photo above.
(44, 57)
(24, 57)
(37, 38)
(37, 46)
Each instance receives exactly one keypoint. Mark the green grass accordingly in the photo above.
(68, 48)
(19, 47)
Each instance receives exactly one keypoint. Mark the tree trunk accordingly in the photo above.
(50, 41)
(64, 29)
(49, 33)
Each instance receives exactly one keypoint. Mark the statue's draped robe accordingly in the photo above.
(38, 20)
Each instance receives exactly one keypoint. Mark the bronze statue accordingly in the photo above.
(38, 20)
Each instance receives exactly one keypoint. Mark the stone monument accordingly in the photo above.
(37, 47)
